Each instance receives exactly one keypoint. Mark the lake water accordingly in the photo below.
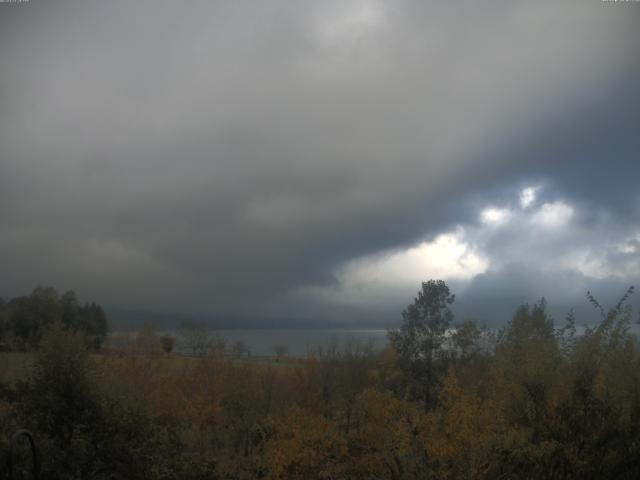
(298, 342)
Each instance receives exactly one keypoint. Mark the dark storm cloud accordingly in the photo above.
(520, 247)
(589, 248)
(215, 156)
(493, 298)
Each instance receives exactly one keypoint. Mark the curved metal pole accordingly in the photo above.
(34, 455)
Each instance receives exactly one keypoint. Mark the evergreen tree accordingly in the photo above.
(420, 339)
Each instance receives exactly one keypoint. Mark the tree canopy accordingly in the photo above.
(24, 319)
(419, 340)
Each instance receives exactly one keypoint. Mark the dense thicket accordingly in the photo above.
(529, 401)
(24, 319)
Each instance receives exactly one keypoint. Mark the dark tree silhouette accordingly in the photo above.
(419, 340)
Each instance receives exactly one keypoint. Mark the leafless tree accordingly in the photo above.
(196, 336)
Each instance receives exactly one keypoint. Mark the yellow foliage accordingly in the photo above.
(305, 446)
(460, 431)
(386, 441)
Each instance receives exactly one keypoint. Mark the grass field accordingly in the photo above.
(15, 365)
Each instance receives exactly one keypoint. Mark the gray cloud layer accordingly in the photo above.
(215, 156)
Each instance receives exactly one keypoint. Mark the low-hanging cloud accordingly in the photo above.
(215, 157)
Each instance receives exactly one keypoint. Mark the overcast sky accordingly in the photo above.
(318, 160)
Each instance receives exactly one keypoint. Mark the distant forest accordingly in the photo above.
(444, 400)
(23, 320)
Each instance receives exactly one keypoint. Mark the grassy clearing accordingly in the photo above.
(15, 366)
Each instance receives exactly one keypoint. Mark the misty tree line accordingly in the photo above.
(194, 337)
(24, 319)
(445, 400)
